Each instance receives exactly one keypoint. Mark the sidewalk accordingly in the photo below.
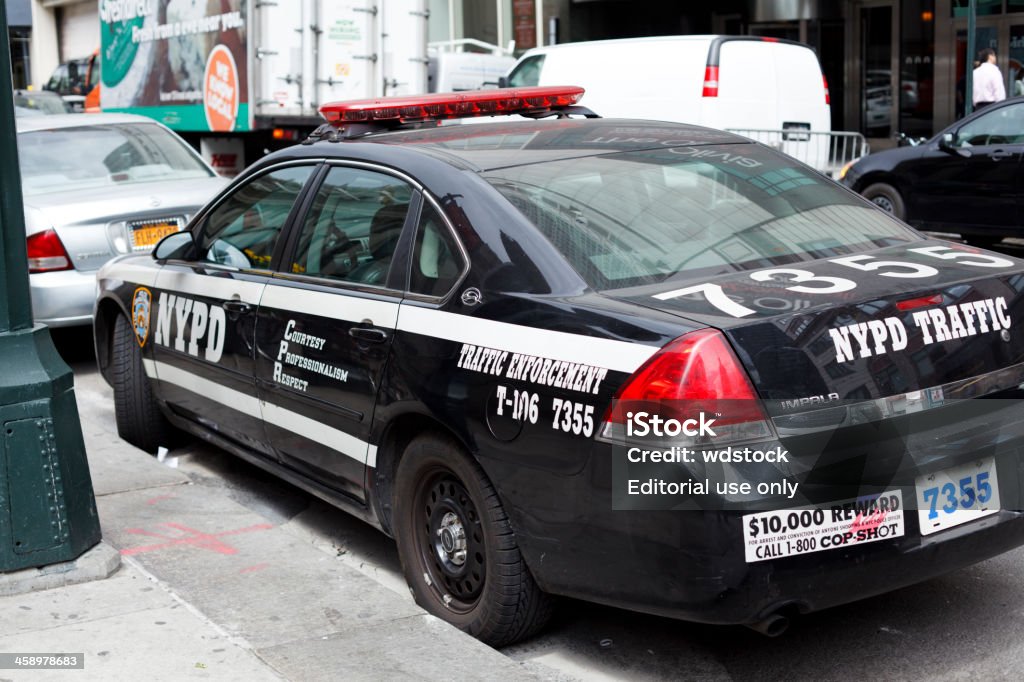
(208, 589)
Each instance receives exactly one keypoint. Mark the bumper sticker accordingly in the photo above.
(789, 532)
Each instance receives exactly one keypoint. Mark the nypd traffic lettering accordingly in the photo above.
(544, 371)
(877, 337)
(206, 325)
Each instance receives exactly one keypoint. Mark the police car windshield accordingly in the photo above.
(643, 217)
(67, 159)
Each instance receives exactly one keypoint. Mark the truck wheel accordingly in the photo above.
(887, 198)
(139, 419)
(457, 550)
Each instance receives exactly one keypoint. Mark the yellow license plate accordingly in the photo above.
(146, 236)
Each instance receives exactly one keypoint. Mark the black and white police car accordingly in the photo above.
(435, 328)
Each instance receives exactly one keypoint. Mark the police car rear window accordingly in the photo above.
(643, 217)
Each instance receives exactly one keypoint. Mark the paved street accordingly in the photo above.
(966, 625)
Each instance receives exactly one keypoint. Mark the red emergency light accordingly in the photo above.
(919, 302)
(448, 105)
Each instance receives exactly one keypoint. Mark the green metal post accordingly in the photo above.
(972, 48)
(47, 507)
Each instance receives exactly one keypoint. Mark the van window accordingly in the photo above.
(527, 73)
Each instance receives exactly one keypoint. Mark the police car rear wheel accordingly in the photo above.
(458, 552)
(139, 420)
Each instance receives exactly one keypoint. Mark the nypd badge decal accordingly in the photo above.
(142, 301)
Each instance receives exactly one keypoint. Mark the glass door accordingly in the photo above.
(877, 80)
(986, 34)
(1015, 64)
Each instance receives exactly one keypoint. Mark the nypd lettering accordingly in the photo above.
(205, 324)
(544, 371)
(877, 337)
(286, 357)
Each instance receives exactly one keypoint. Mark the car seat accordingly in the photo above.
(385, 229)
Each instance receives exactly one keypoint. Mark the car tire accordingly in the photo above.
(139, 419)
(444, 505)
(887, 198)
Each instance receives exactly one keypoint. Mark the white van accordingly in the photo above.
(741, 83)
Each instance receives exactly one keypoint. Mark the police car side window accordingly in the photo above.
(352, 228)
(436, 259)
(243, 230)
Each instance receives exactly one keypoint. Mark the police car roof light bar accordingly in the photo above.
(452, 105)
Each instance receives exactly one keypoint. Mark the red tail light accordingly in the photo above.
(828, 98)
(46, 253)
(698, 372)
(710, 82)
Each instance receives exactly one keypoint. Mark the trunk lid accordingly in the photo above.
(880, 323)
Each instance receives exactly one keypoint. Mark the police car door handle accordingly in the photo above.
(369, 334)
(236, 307)
(1000, 154)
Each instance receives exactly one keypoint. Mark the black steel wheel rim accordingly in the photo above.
(449, 540)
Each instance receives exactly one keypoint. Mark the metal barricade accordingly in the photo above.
(826, 152)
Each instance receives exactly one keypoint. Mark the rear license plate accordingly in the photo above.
(957, 495)
(146, 233)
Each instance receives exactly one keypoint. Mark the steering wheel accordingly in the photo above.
(339, 258)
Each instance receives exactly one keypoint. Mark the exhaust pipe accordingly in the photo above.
(771, 626)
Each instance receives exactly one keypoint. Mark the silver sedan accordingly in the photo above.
(97, 186)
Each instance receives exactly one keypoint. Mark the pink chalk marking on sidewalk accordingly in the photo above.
(160, 498)
(190, 536)
(254, 568)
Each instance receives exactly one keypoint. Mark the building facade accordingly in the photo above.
(892, 65)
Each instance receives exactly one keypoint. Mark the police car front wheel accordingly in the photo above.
(139, 420)
(457, 549)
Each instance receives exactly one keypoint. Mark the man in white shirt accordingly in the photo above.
(988, 82)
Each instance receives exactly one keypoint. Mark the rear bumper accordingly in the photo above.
(695, 584)
(692, 565)
(64, 298)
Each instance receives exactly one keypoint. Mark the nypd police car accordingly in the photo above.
(512, 346)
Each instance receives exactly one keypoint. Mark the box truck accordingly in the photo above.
(238, 78)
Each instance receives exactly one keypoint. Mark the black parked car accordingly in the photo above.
(965, 180)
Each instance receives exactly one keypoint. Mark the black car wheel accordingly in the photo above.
(139, 419)
(886, 197)
(457, 549)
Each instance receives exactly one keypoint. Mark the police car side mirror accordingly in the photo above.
(502, 81)
(177, 246)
